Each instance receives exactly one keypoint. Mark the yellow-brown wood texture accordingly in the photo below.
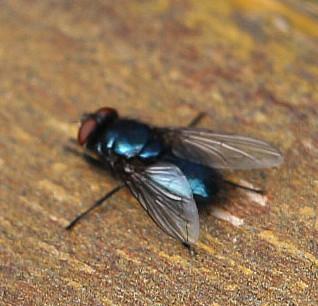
(252, 65)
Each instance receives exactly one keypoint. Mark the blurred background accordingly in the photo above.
(252, 65)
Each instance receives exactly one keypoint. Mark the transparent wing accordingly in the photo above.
(223, 151)
(164, 192)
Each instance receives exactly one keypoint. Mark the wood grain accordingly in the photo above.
(252, 65)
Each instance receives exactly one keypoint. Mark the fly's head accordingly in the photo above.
(92, 122)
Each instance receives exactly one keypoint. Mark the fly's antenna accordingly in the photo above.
(96, 204)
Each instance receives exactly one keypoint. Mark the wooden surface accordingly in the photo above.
(252, 65)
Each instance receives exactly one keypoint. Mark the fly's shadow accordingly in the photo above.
(230, 198)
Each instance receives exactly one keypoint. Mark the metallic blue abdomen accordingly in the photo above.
(129, 138)
(202, 180)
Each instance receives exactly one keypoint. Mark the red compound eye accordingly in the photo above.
(91, 121)
(87, 128)
(106, 112)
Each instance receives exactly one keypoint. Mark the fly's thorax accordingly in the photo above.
(128, 139)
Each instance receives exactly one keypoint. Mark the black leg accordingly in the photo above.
(96, 204)
(92, 160)
(190, 248)
(260, 191)
(196, 120)
(72, 149)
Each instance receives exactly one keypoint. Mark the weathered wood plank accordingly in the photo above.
(252, 65)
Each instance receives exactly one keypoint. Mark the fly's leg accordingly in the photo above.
(196, 120)
(96, 204)
(190, 248)
(72, 148)
(91, 159)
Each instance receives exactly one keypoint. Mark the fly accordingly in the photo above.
(168, 169)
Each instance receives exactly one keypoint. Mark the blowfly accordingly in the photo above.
(168, 169)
